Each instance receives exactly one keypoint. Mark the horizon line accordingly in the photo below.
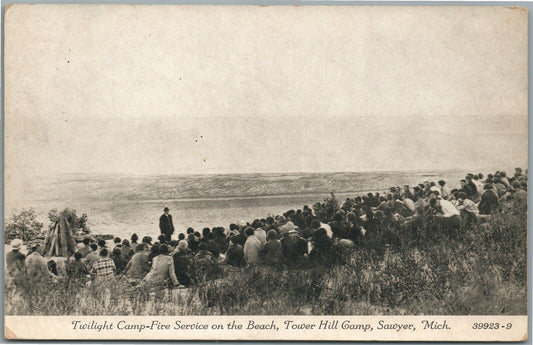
(482, 169)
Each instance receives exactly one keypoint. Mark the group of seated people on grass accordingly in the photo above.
(308, 235)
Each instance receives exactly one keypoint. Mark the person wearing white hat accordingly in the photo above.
(286, 228)
(242, 225)
(15, 259)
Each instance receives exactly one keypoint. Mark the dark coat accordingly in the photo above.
(354, 233)
(204, 266)
(272, 252)
(166, 225)
(221, 243)
(489, 202)
(120, 263)
(126, 252)
(235, 256)
(193, 243)
(213, 248)
(182, 265)
(293, 248)
(15, 262)
(241, 239)
(470, 190)
(339, 228)
(77, 270)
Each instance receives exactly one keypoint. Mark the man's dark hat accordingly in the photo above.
(166, 209)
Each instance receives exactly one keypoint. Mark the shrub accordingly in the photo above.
(23, 225)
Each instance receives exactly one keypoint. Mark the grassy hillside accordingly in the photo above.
(411, 269)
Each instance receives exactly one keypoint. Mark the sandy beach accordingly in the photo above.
(123, 205)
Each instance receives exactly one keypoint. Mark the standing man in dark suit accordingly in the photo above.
(165, 224)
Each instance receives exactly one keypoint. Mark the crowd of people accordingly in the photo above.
(311, 235)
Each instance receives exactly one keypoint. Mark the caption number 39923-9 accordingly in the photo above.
(491, 325)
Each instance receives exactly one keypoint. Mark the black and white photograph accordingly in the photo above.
(286, 172)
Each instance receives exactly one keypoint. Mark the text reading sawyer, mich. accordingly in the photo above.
(274, 325)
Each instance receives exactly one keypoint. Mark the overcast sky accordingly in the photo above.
(183, 89)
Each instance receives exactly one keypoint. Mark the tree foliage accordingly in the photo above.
(23, 225)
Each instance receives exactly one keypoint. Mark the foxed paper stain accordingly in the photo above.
(521, 10)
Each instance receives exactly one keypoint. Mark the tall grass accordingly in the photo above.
(411, 269)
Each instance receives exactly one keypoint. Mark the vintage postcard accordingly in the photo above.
(265, 172)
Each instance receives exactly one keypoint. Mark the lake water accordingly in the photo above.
(123, 205)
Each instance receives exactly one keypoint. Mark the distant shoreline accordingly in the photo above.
(233, 174)
(229, 197)
(191, 188)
